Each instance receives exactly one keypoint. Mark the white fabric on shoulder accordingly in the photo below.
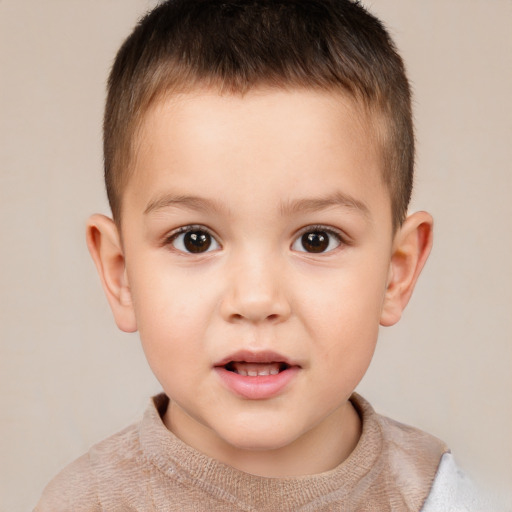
(454, 491)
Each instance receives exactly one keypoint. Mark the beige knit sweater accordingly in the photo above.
(146, 468)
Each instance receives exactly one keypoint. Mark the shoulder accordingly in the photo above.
(407, 453)
(74, 488)
(78, 486)
(404, 460)
(454, 491)
(413, 458)
(397, 437)
(408, 439)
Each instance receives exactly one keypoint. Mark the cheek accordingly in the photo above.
(164, 293)
(172, 315)
(349, 300)
(343, 316)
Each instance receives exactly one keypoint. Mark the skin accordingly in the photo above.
(256, 173)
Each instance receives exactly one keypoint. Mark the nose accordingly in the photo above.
(255, 291)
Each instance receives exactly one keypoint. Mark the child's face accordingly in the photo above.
(257, 239)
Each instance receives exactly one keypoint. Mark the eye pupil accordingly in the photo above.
(197, 241)
(315, 241)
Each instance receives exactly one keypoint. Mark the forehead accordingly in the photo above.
(273, 140)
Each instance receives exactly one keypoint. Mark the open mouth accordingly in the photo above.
(255, 369)
(257, 375)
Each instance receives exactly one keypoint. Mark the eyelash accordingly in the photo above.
(331, 232)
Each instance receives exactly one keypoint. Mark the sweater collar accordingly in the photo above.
(391, 469)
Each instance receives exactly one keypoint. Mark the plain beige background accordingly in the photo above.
(68, 378)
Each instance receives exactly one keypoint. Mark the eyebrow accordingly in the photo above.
(338, 199)
(305, 205)
(181, 201)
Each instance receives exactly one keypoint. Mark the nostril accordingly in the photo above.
(237, 317)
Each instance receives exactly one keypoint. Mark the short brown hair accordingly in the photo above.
(236, 45)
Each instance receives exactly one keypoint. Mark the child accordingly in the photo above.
(258, 161)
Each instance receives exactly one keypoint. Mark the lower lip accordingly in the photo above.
(260, 387)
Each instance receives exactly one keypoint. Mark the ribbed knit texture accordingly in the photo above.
(146, 468)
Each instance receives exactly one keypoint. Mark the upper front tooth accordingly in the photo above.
(255, 369)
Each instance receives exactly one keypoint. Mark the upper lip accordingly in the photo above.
(249, 356)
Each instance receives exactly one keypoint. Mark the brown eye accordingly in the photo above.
(317, 241)
(197, 241)
(194, 241)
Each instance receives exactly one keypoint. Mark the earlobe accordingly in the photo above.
(105, 246)
(411, 248)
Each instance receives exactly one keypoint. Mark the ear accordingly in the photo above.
(411, 247)
(104, 243)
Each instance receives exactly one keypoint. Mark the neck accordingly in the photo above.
(319, 450)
